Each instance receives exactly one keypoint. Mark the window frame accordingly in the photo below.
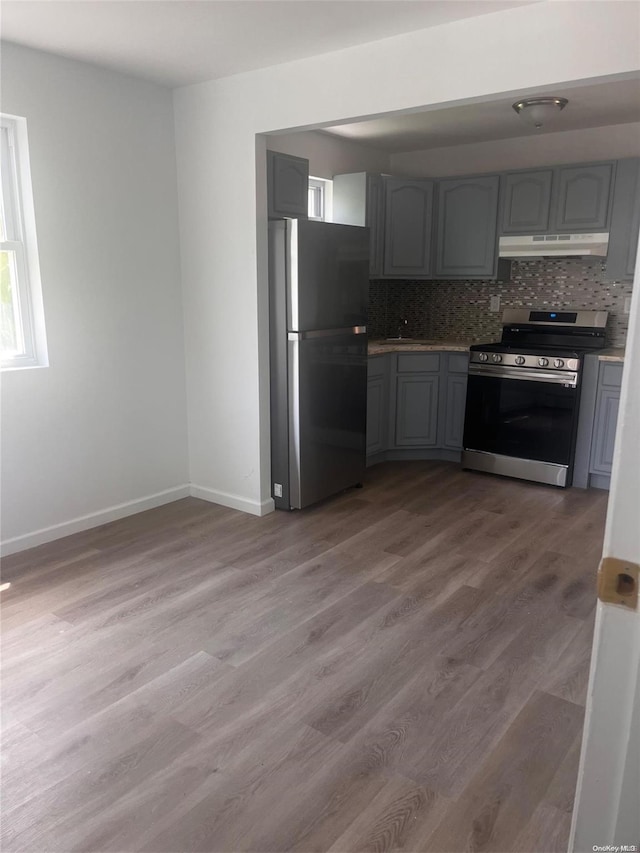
(325, 186)
(19, 218)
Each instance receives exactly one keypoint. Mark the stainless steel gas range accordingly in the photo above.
(523, 394)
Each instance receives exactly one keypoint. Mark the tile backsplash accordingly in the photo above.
(459, 310)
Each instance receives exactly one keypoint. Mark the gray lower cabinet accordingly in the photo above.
(467, 227)
(582, 197)
(456, 394)
(417, 410)
(287, 186)
(377, 404)
(526, 202)
(357, 200)
(408, 225)
(625, 221)
(415, 405)
(606, 418)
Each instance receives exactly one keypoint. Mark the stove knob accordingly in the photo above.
(483, 357)
(543, 362)
(520, 359)
(496, 357)
(558, 363)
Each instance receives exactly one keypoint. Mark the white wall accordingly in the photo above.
(105, 424)
(330, 155)
(570, 146)
(223, 215)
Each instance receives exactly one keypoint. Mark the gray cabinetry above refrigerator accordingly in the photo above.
(287, 185)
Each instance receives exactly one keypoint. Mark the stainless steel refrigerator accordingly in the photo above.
(319, 285)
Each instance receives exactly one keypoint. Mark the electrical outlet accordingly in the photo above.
(627, 305)
(494, 304)
(277, 490)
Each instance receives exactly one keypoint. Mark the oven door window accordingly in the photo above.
(520, 418)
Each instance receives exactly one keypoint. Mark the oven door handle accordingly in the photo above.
(568, 378)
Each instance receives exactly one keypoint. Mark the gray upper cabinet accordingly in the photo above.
(625, 221)
(408, 224)
(582, 197)
(287, 186)
(357, 200)
(526, 202)
(467, 227)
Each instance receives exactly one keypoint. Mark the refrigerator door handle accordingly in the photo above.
(326, 333)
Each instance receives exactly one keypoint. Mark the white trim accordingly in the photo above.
(22, 239)
(233, 501)
(606, 801)
(94, 519)
(113, 513)
(326, 186)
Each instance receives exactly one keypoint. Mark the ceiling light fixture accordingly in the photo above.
(538, 111)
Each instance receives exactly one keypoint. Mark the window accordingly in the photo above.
(320, 198)
(22, 334)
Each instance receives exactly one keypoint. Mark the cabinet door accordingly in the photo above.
(604, 432)
(625, 221)
(287, 185)
(416, 410)
(526, 200)
(467, 227)
(374, 219)
(378, 369)
(377, 414)
(582, 199)
(454, 411)
(408, 222)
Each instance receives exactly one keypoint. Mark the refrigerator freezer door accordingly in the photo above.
(328, 275)
(327, 416)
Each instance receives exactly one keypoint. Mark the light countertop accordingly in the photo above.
(611, 354)
(379, 347)
(382, 346)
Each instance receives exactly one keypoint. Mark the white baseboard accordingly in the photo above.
(94, 519)
(233, 501)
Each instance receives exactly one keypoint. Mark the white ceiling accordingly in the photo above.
(176, 42)
(589, 106)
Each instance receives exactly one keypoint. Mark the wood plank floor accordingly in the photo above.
(400, 668)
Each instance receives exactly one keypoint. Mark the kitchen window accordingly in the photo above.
(22, 332)
(320, 199)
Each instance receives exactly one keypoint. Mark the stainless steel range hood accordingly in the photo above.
(555, 246)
